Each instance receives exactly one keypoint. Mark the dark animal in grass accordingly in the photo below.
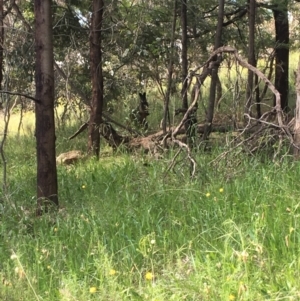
(140, 113)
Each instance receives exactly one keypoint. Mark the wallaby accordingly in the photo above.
(140, 113)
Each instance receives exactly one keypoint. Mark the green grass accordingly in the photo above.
(129, 230)
(230, 234)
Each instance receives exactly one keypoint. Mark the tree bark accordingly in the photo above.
(1, 42)
(297, 117)
(282, 53)
(44, 109)
(184, 59)
(214, 73)
(251, 54)
(170, 71)
(97, 79)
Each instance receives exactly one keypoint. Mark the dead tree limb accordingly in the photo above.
(180, 143)
(243, 63)
(20, 94)
(80, 130)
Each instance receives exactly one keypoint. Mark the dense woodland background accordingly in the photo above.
(107, 54)
(104, 56)
(181, 123)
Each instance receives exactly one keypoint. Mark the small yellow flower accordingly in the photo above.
(55, 229)
(207, 194)
(93, 290)
(231, 297)
(48, 267)
(152, 241)
(149, 276)
(83, 186)
(112, 272)
(221, 190)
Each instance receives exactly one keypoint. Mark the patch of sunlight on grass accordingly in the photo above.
(27, 125)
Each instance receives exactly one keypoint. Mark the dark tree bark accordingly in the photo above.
(214, 73)
(251, 53)
(170, 71)
(282, 53)
(1, 42)
(97, 79)
(44, 109)
(184, 58)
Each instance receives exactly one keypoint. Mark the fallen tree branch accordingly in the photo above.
(80, 130)
(177, 129)
(245, 64)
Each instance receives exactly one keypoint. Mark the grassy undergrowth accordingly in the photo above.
(129, 230)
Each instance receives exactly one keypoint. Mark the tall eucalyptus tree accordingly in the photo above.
(184, 54)
(96, 78)
(214, 72)
(47, 191)
(251, 57)
(280, 12)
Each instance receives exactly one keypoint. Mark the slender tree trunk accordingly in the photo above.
(170, 70)
(6, 109)
(257, 97)
(251, 53)
(214, 73)
(1, 42)
(184, 58)
(282, 53)
(297, 117)
(44, 109)
(97, 79)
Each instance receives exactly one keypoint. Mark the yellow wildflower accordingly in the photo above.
(55, 229)
(93, 290)
(207, 194)
(221, 190)
(112, 272)
(83, 186)
(149, 276)
(231, 297)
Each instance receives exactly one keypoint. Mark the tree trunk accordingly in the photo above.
(44, 109)
(1, 42)
(214, 73)
(251, 54)
(170, 71)
(97, 79)
(184, 59)
(282, 53)
(297, 117)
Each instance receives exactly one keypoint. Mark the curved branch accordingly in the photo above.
(243, 63)
(21, 94)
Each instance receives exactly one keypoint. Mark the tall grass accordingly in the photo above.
(129, 230)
